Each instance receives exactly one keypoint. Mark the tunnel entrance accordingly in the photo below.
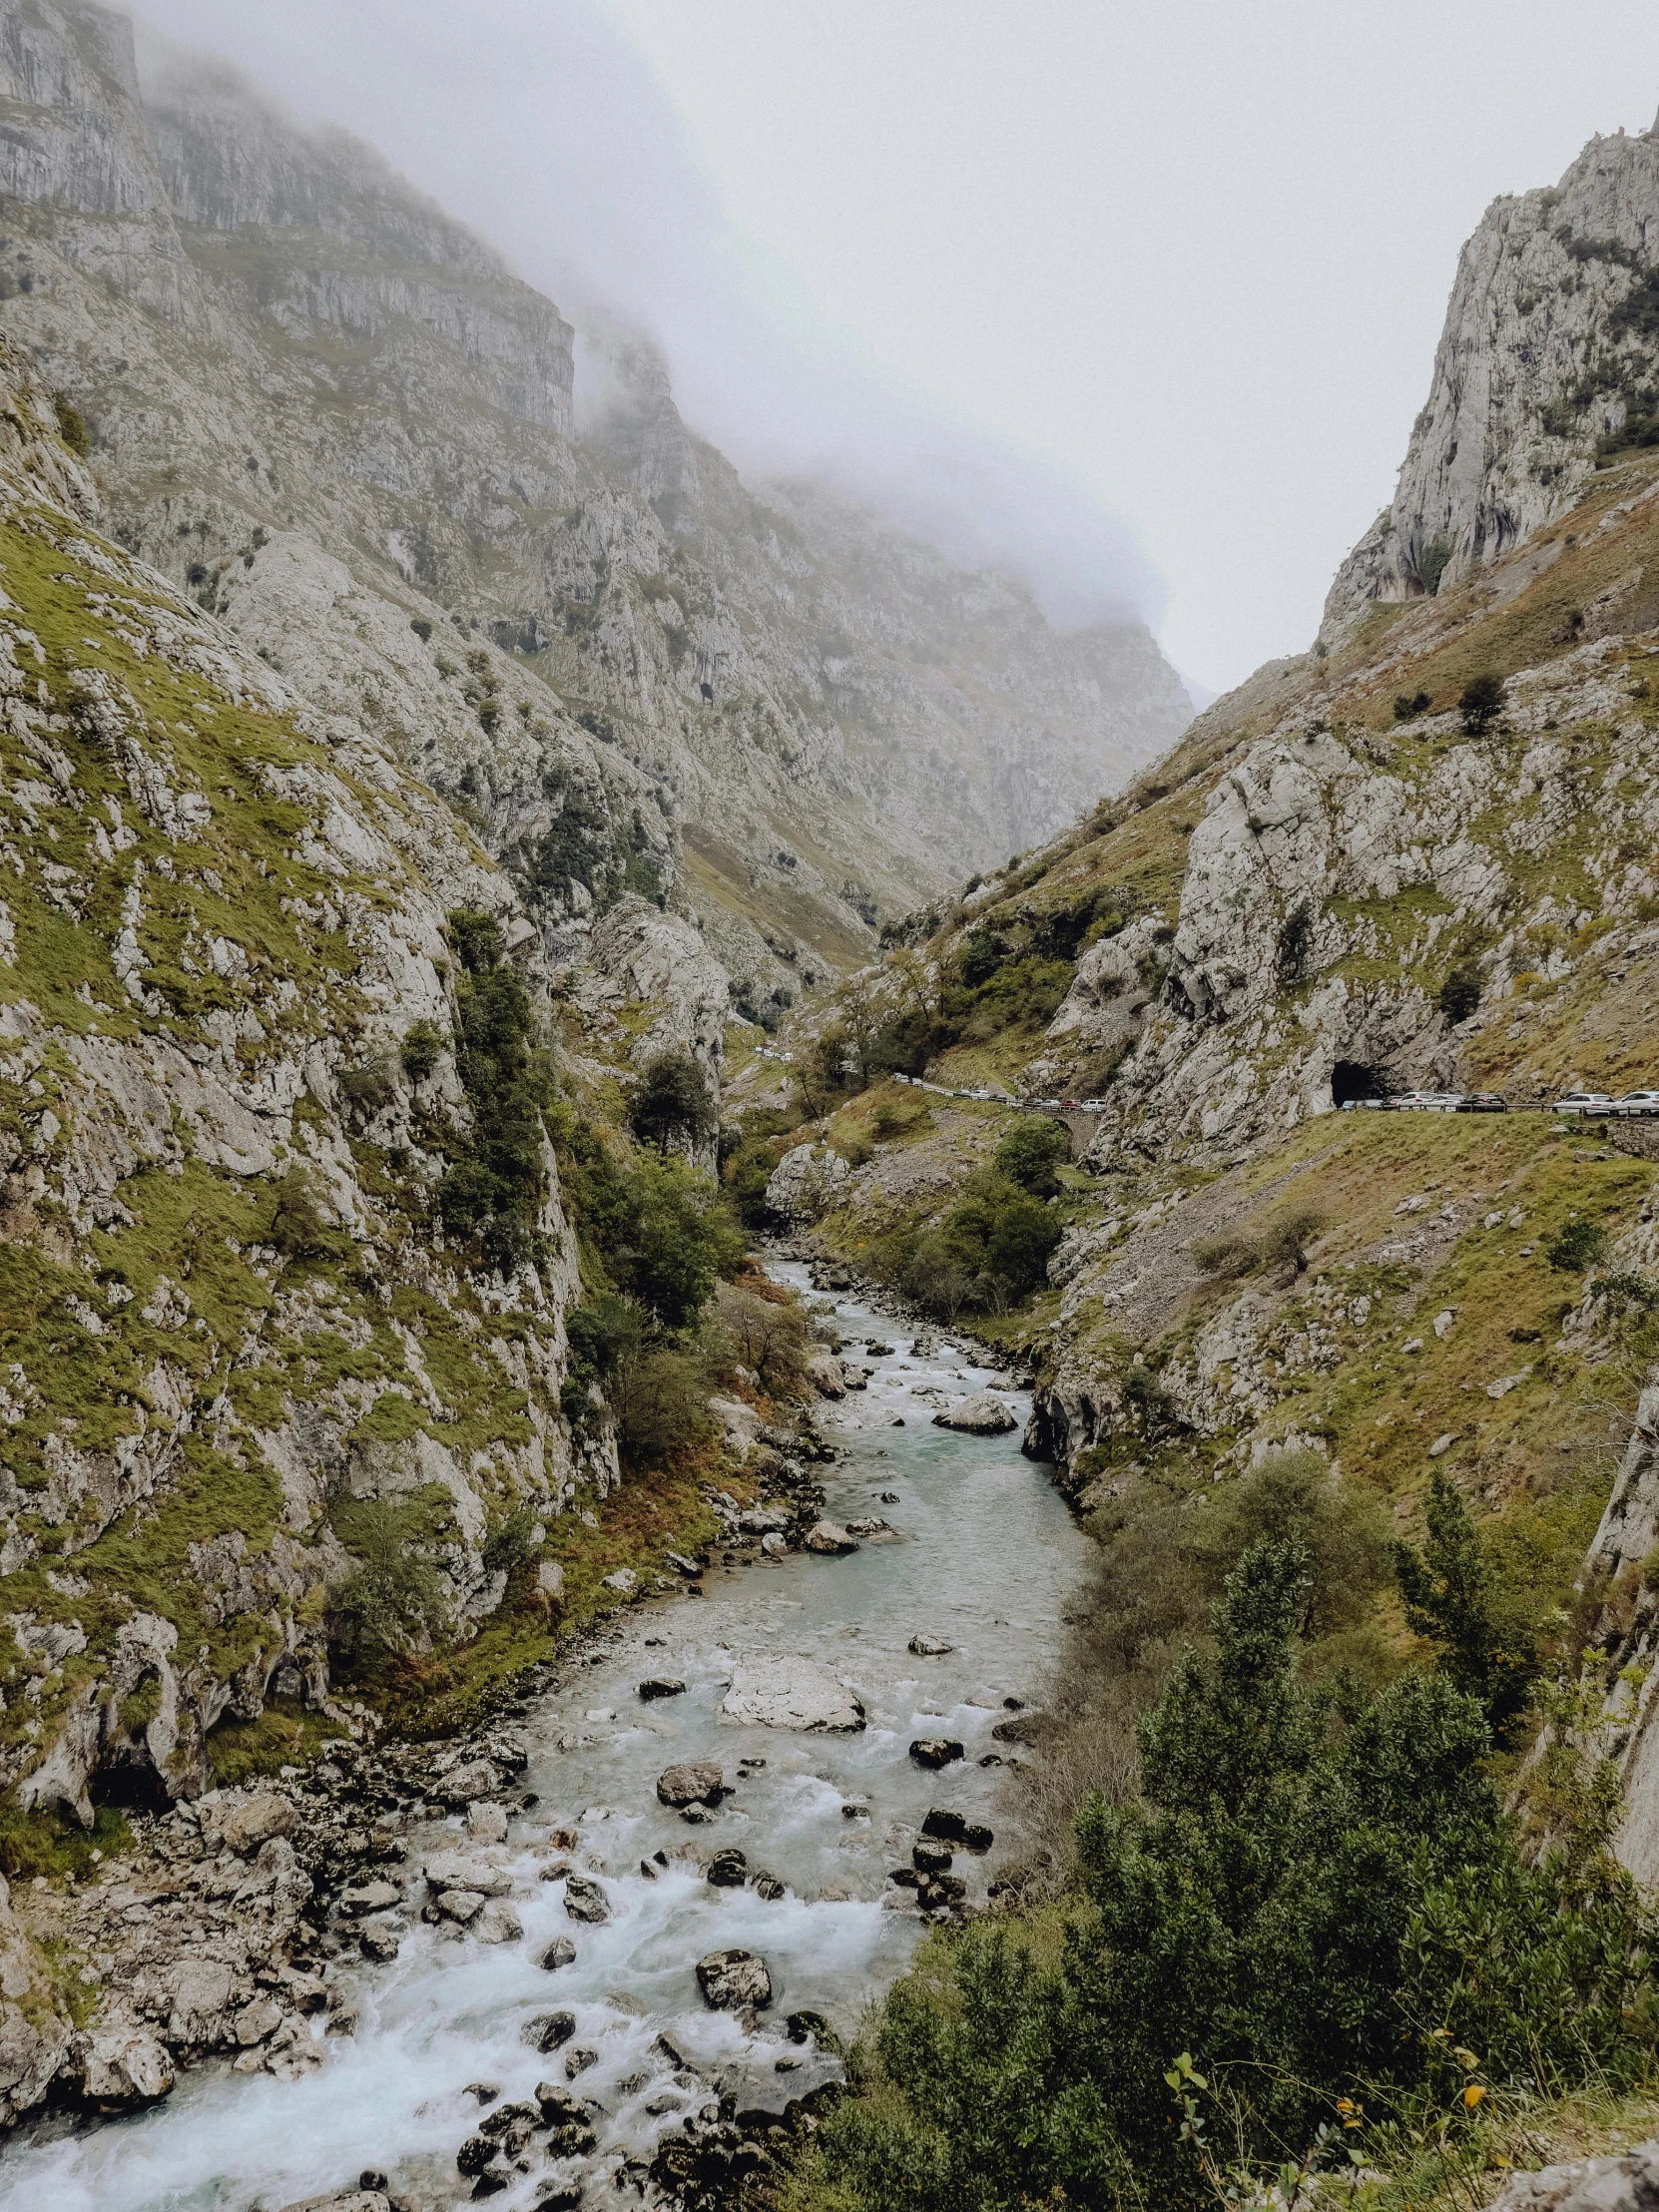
(1352, 1079)
(127, 1783)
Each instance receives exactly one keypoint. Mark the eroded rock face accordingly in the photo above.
(1626, 2183)
(805, 1182)
(1508, 439)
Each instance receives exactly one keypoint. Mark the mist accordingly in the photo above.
(542, 127)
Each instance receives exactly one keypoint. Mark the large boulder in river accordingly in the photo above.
(779, 1689)
(825, 1373)
(732, 1980)
(693, 1781)
(123, 2067)
(984, 1415)
(829, 1539)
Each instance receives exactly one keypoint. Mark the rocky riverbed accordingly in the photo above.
(607, 1945)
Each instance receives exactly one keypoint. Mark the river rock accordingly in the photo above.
(475, 2154)
(123, 2067)
(830, 1538)
(252, 1820)
(381, 1941)
(460, 1905)
(768, 1887)
(956, 1828)
(731, 1979)
(780, 1689)
(476, 1778)
(201, 1996)
(824, 1373)
(349, 2200)
(486, 1821)
(728, 1869)
(929, 1647)
(369, 1897)
(560, 1952)
(874, 1526)
(982, 1414)
(455, 1870)
(624, 1581)
(498, 1922)
(761, 1520)
(681, 1565)
(693, 1781)
(545, 2032)
(935, 1750)
(662, 1685)
(929, 1857)
(578, 2060)
(586, 1900)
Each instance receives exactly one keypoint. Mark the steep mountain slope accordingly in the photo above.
(333, 413)
(1342, 882)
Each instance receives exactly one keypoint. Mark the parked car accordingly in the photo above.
(1369, 1105)
(1482, 1102)
(1584, 1102)
(1638, 1102)
(1427, 1102)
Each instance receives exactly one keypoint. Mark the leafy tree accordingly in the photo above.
(475, 939)
(675, 1240)
(673, 1102)
(1408, 704)
(1480, 702)
(494, 1195)
(1459, 994)
(1452, 1597)
(1031, 1152)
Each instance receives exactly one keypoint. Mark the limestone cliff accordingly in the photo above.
(1547, 359)
(331, 414)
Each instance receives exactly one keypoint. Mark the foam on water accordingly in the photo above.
(983, 1557)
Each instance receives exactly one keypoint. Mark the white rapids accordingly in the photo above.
(982, 1558)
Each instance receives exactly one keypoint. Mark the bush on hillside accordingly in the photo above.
(1454, 1597)
(1459, 995)
(424, 1045)
(393, 1604)
(1579, 1244)
(1031, 1152)
(674, 1103)
(673, 1241)
(1408, 704)
(1313, 1897)
(989, 1253)
(1279, 1247)
(1480, 702)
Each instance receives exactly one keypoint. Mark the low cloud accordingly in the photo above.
(543, 129)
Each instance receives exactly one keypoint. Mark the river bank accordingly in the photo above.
(569, 1832)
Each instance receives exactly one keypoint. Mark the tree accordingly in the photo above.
(1480, 704)
(673, 1102)
(1031, 1152)
(1459, 995)
(1451, 1598)
(675, 1242)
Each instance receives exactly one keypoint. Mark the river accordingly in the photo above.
(982, 1558)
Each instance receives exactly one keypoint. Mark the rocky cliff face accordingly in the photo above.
(330, 413)
(1548, 356)
(226, 1086)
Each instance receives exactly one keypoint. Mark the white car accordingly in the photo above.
(1638, 1102)
(1427, 1102)
(1584, 1102)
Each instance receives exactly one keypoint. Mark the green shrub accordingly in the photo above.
(424, 1045)
(660, 1397)
(1408, 704)
(476, 939)
(298, 1230)
(1031, 1152)
(72, 425)
(492, 1198)
(510, 1541)
(1281, 1244)
(1453, 1596)
(674, 1103)
(392, 1603)
(1459, 994)
(1480, 702)
(1432, 563)
(370, 1087)
(1579, 1244)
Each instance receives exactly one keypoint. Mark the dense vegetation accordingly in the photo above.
(1304, 1937)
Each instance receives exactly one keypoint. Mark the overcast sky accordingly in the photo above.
(1141, 301)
